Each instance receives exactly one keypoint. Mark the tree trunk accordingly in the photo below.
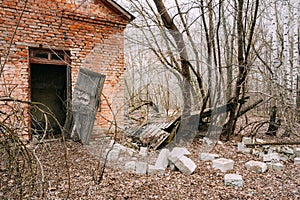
(186, 129)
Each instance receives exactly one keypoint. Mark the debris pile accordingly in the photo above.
(271, 155)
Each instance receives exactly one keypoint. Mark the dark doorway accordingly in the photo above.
(49, 89)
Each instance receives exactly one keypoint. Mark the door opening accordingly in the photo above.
(50, 91)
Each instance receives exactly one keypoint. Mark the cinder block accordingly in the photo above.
(233, 180)
(242, 148)
(223, 164)
(177, 152)
(113, 155)
(257, 140)
(297, 152)
(256, 166)
(143, 151)
(141, 167)
(162, 160)
(153, 170)
(271, 157)
(130, 166)
(287, 150)
(297, 160)
(247, 140)
(208, 156)
(275, 166)
(185, 165)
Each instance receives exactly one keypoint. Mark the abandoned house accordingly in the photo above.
(44, 45)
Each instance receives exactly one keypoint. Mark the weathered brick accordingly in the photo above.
(85, 29)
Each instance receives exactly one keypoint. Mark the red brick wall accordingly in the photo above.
(91, 32)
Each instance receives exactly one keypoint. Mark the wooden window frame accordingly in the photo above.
(63, 55)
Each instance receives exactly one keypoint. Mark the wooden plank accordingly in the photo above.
(85, 103)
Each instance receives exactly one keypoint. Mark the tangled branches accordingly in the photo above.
(24, 169)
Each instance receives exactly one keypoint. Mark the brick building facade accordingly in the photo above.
(56, 38)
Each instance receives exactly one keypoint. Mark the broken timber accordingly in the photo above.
(155, 135)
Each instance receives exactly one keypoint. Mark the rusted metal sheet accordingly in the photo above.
(85, 103)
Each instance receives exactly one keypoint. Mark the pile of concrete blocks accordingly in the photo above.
(176, 159)
(271, 155)
(272, 160)
(117, 151)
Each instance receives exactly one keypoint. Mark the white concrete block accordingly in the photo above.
(177, 152)
(143, 151)
(120, 147)
(141, 167)
(261, 141)
(233, 180)
(222, 164)
(287, 150)
(256, 166)
(130, 166)
(297, 160)
(113, 155)
(208, 141)
(275, 166)
(242, 148)
(273, 149)
(162, 161)
(153, 170)
(208, 156)
(297, 152)
(271, 157)
(283, 157)
(247, 140)
(185, 165)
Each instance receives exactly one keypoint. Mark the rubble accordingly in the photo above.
(162, 160)
(177, 152)
(257, 140)
(143, 151)
(271, 157)
(185, 164)
(257, 152)
(297, 160)
(247, 140)
(256, 166)
(287, 150)
(141, 167)
(130, 166)
(208, 156)
(233, 180)
(297, 152)
(208, 141)
(275, 166)
(242, 148)
(223, 164)
(113, 155)
(154, 170)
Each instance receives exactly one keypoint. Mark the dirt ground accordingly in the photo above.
(204, 183)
